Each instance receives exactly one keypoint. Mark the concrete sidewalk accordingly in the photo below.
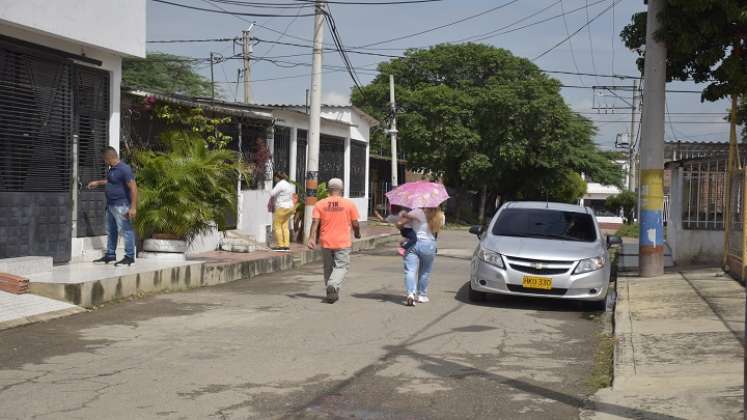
(679, 349)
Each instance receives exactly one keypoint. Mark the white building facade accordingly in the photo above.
(596, 195)
(344, 152)
(60, 76)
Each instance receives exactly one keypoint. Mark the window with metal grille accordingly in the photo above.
(357, 169)
(301, 142)
(35, 122)
(281, 152)
(331, 158)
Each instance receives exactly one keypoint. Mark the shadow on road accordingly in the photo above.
(522, 302)
(381, 297)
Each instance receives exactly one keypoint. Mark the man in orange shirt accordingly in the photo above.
(333, 219)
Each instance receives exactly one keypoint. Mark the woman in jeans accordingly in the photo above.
(426, 222)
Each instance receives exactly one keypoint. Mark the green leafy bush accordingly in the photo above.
(627, 201)
(187, 190)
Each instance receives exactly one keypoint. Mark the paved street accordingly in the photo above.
(268, 348)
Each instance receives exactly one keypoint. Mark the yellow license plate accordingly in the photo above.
(533, 282)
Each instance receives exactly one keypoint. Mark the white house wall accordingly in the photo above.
(117, 26)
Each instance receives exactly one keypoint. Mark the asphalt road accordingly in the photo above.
(269, 348)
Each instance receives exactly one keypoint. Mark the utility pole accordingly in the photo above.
(393, 131)
(212, 76)
(315, 112)
(246, 49)
(631, 141)
(651, 203)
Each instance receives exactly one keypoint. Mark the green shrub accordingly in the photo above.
(187, 190)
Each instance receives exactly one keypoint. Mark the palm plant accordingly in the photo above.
(321, 194)
(187, 190)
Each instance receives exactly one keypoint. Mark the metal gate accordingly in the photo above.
(92, 127)
(281, 152)
(301, 142)
(35, 154)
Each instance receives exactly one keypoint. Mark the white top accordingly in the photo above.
(283, 194)
(420, 225)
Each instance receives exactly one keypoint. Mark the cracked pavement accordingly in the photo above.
(268, 348)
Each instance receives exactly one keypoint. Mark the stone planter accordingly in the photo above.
(164, 249)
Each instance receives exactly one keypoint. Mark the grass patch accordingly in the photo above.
(602, 371)
(630, 231)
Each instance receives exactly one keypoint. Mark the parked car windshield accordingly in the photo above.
(546, 224)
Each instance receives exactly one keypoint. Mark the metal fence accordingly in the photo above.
(704, 188)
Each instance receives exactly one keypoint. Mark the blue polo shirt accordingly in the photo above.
(117, 191)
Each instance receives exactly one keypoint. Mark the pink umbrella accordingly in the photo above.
(418, 194)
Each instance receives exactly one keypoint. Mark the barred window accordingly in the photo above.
(301, 141)
(331, 158)
(357, 169)
(281, 152)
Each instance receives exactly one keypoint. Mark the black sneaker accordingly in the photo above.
(126, 260)
(106, 259)
(332, 294)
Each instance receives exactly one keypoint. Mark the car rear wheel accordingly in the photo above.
(476, 296)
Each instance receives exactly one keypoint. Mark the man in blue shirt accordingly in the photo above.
(121, 207)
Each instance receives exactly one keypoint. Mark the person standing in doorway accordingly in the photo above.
(334, 217)
(426, 222)
(283, 209)
(121, 207)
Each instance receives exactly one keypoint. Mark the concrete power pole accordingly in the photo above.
(631, 140)
(315, 112)
(651, 203)
(246, 46)
(212, 76)
(393, 131)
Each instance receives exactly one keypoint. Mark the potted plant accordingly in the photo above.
(184, 192)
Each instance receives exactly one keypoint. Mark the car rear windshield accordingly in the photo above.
(546, 224)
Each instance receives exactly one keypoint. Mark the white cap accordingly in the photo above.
(335, 184)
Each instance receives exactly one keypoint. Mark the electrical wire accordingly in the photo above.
(227, 12)
(372, 3)
(564, 40)
(570, 42)
(591, 42)
(435, 28)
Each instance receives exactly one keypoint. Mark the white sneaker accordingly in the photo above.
(423, 299)
(410, 301)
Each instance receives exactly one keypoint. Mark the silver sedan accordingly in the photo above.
(539, 249)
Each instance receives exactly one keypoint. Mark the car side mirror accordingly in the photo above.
(476, 230)
(614, 240)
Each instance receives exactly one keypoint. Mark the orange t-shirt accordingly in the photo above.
(335, 215)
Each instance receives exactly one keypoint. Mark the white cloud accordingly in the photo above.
(335, 98)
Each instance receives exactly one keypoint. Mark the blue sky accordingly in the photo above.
(597, 50)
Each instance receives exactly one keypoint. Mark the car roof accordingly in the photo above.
(546, 205)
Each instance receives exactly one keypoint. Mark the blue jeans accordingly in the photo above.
(418, 267)
(116, 222)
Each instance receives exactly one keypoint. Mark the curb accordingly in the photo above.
(47, 316)
(193, 275)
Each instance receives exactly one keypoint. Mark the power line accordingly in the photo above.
(589, 22)
(372, 3)
(187, 41)
(591, 42)
(476, 15)
(227, 12)
(570, 42)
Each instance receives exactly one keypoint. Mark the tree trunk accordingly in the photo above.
(483, 203)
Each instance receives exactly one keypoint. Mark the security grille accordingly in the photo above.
(301, 142)
(357, 169)
(281, 152)
(36, 117)
(92, 111)
(331, 158)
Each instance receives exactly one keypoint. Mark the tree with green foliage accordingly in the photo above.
(625, 201)
(165, 73)
(481, 118)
